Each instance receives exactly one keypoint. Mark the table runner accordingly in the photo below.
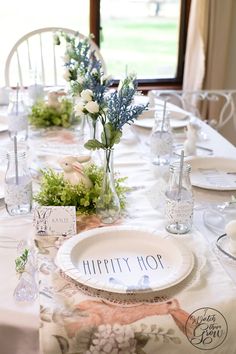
(131, 159)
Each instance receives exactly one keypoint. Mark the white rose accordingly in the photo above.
(92, 107)
(87, 95)
(79, 109)
(66, 75)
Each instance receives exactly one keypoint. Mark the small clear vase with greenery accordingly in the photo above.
(108, 204)
(116, 111)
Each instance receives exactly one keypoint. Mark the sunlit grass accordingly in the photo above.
(148, 46)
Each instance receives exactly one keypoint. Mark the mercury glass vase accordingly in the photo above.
(108, 204)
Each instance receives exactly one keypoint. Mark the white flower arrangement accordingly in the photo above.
(92, 107)
(90, 86)
(87, 95)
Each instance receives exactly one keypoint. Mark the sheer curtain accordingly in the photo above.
(207, 50)
(207, 44)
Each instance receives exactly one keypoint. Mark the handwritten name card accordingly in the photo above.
(55, 220)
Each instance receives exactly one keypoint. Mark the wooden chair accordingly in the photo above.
(36, 57)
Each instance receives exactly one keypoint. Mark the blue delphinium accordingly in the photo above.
(83, 68)
(118, 111)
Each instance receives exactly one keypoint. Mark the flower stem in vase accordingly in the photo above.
(108, 204)
(93, 128)
(96, 155)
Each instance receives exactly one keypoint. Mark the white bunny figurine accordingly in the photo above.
(190, 142)
(53, 99)
(73, 170)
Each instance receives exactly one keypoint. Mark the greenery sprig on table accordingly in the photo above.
(43, 116)
(20, 262)
(55, 190)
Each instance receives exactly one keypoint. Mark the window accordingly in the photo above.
(18, 17)
(143, 36)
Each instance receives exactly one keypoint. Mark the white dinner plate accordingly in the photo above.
(149, 122)
(178, 119)
(215, 173)
(125, 259)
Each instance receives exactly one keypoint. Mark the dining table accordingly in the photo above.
(192, 313)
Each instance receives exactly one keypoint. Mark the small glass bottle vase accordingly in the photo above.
(17, 118)
(108, 204)
(161, 142)
(18, 185)
(179, 200)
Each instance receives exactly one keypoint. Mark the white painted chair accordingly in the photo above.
(36, 55)
(216, 107)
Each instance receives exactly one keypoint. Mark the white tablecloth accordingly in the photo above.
(19, 323)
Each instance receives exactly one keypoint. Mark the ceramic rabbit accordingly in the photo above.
(73, 170)
(190, 143)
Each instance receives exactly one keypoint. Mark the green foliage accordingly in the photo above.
(57, 191)
(43, 116)
(20, 262)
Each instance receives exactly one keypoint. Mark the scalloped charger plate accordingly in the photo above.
(125, 260)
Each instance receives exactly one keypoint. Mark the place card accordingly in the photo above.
(55, 220)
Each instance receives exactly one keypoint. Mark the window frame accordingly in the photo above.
(147, 84)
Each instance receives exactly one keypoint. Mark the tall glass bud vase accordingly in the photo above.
(108, 204)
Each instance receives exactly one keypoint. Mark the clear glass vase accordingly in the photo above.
(108, 204)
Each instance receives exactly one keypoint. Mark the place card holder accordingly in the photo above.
(55, 221)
